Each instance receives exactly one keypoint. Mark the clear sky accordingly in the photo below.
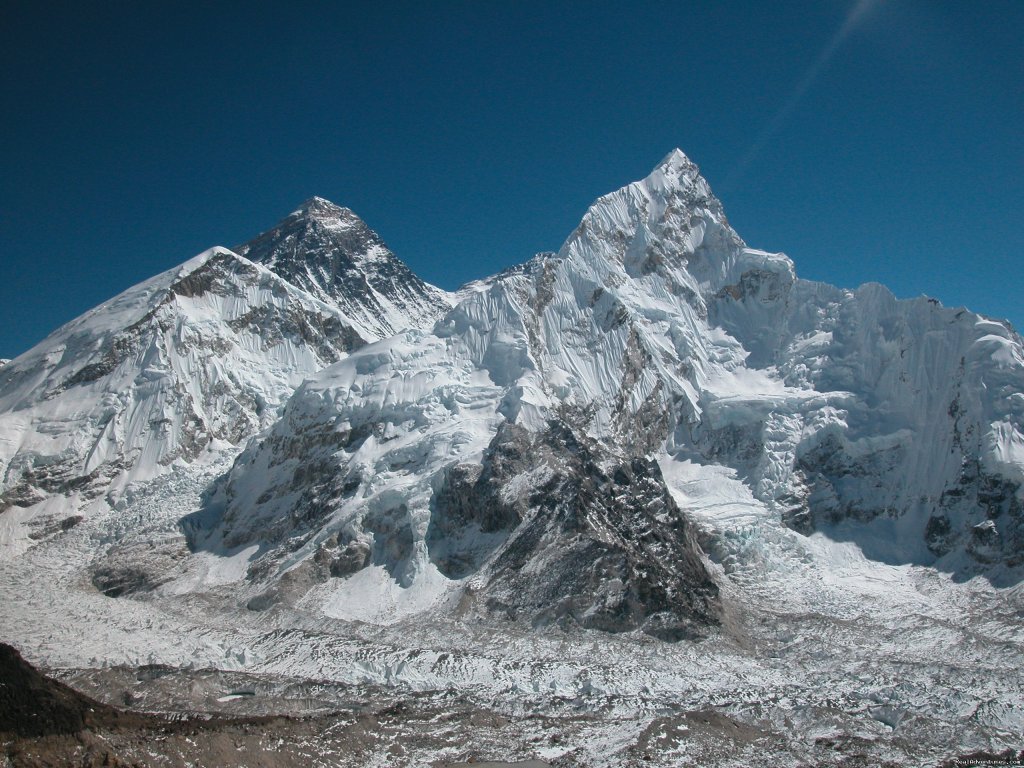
(875, 140)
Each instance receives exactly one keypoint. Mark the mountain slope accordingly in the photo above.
(183, 366)
(197, 357)
(32, 704)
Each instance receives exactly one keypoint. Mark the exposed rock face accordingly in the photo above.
(32, 704)
(329, 252)
(604, 548)
(471, 515)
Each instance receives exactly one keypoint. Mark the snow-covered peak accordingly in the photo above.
(676, 159)
(121, 311)
(668, 223)
(675, 169)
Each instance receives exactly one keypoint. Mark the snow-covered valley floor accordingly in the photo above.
(823, 655)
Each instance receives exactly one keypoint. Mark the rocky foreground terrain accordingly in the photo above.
(44, 722)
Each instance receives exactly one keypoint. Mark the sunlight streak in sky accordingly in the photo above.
(856, 15)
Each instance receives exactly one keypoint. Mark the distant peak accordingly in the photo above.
(677, 173)
(320, 207)
(677, 166)
(676, 160)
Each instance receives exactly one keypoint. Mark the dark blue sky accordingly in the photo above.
(471, 135)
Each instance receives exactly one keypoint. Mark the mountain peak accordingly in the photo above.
(672, 206)
(677, 171)
(319, 207)
(332, 254)
(676, 161)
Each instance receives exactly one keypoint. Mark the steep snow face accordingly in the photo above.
(835, 407)
(925, 445)
(329, 252)
(388, 488)
(198, 357)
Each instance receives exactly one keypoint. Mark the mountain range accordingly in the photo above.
(296, 457)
